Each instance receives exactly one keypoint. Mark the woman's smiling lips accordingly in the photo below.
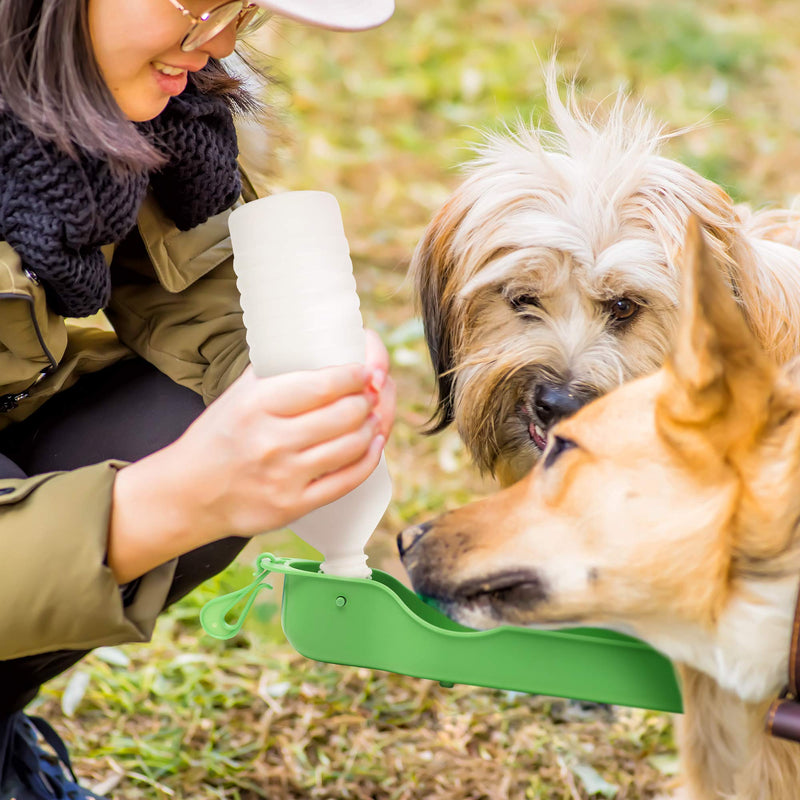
(171, 80)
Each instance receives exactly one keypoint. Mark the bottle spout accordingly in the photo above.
(353, 566)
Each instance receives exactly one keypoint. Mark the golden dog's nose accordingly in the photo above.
(410, 536)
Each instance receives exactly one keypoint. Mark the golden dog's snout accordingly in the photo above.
(410, 536)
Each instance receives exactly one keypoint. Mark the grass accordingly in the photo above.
(383, 119)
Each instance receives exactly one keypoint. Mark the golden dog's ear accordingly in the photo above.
(718, 377)
(435, 274)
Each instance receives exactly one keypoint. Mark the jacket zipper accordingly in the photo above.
(10, 401)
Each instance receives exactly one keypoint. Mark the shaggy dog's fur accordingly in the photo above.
(549, 277)
(667, 509)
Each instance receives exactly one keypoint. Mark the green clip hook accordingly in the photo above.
(214, 612)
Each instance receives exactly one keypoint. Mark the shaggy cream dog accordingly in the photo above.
(550, 277)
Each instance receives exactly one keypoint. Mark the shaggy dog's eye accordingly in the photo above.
(621, 309)
(523, 302)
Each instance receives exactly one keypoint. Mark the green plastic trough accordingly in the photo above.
(381, 624)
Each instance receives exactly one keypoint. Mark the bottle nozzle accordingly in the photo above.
(354, 566)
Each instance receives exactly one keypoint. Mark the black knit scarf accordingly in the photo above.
(57, 212)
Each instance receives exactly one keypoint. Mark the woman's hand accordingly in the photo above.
(268, 451)
(377, 362)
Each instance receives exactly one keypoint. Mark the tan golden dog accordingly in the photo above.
(668, 509)
(549, 277)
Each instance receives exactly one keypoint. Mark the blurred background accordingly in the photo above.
(383, 120)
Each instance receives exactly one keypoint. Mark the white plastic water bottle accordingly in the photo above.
(301, 311)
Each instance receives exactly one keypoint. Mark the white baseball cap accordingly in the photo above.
(336, 15)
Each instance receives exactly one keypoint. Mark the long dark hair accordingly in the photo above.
(50, 80)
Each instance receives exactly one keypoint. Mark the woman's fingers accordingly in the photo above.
(330, 422)
(294, 393)
(333, 485)
(377, 362)
(333, 454)
(385, 406)
(377, 359)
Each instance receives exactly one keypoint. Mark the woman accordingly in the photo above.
(135, 464)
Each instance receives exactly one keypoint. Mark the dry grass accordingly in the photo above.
(257, 722)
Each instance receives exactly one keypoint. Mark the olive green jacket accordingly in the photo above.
(174, 302)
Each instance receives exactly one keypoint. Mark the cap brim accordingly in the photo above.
(335, 15)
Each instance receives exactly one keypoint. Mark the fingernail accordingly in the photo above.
(378, 379)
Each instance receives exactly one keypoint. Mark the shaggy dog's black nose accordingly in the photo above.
(410, 536)
(554, 402)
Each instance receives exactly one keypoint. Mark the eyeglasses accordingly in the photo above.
(208, 25)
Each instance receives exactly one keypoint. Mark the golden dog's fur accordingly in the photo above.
(667, 509)
(549, 277)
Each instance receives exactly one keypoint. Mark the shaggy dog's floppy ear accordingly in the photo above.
(432, 268)
(718, 377)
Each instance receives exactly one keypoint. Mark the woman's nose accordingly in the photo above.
(222, 44)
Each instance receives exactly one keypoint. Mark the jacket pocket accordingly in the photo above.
(12, 490)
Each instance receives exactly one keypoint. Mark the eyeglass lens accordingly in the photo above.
(218, 19)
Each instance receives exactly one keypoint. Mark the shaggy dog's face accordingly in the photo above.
(549, 277)
(546, 329)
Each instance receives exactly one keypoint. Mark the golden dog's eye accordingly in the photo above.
(622, 308)
(522, 302)
(558, 446)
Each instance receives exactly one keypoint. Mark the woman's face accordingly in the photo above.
(137, 44)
